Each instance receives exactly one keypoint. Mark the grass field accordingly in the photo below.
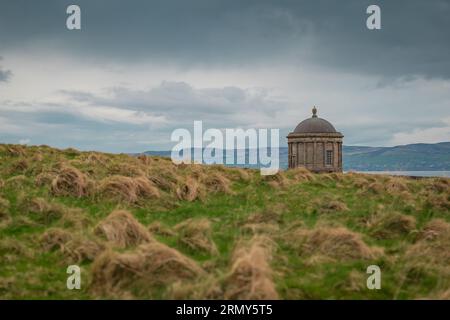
(147, 228)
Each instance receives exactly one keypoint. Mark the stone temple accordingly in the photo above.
(316, 145)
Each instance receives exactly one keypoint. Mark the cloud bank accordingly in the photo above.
(139, 69)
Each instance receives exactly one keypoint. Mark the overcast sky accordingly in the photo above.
(139, 69)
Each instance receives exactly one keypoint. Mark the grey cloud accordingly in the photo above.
(5, 75)
(79, 122)
(408, 57)
(380, 134)
(62, 129)
(220, 33)
(180, 102)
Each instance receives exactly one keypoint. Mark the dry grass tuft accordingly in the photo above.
(75, 218)
(435, 229)
(122, 229)
(44, 178)
(389, 225)
(130, 168)
(158, 228)
(440, 185)
(334, 242)
(37, 205)
(164, 178)
(431, 253)
(196, 234)
(189, 191)
(267, 215)
(145, 188)
(329, 204)
(80, 249)
(37, 157)
(355, 281)
(440, 202)
(77, 248)
(70, 182)
(336, 176)
(119, 188)
(250, 276)
(241, 173)
(144, 159)
(358, 180)
(441, 295)
(24, 221)
(20, 165)
(15, 150)
(197, 171)
(16, 181)
(96, 158)
(334, 206)
(207, 287)
(128, 189)
(217, 182)
(55, 239)
(14, 247)
(5, 217)
(277, 180)
(299, 174)
(47, 212)
(375, 187)
(149, 264)
(396, 185)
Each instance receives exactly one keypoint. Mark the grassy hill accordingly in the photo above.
(143, 227)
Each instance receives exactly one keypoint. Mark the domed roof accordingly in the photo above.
(314, 125)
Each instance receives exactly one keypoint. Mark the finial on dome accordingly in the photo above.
(314, 111)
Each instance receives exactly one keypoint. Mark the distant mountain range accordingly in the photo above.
(411, 157)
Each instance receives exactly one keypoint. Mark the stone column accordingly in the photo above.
(324, 158)
(335, 155)
(304, 153)
(314, 154)
(294, 154)
(289, 155)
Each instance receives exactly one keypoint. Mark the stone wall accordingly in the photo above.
(310, 151)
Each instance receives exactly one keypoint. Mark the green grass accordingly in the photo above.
(38, 274)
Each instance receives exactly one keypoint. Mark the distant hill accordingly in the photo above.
(411, 157)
